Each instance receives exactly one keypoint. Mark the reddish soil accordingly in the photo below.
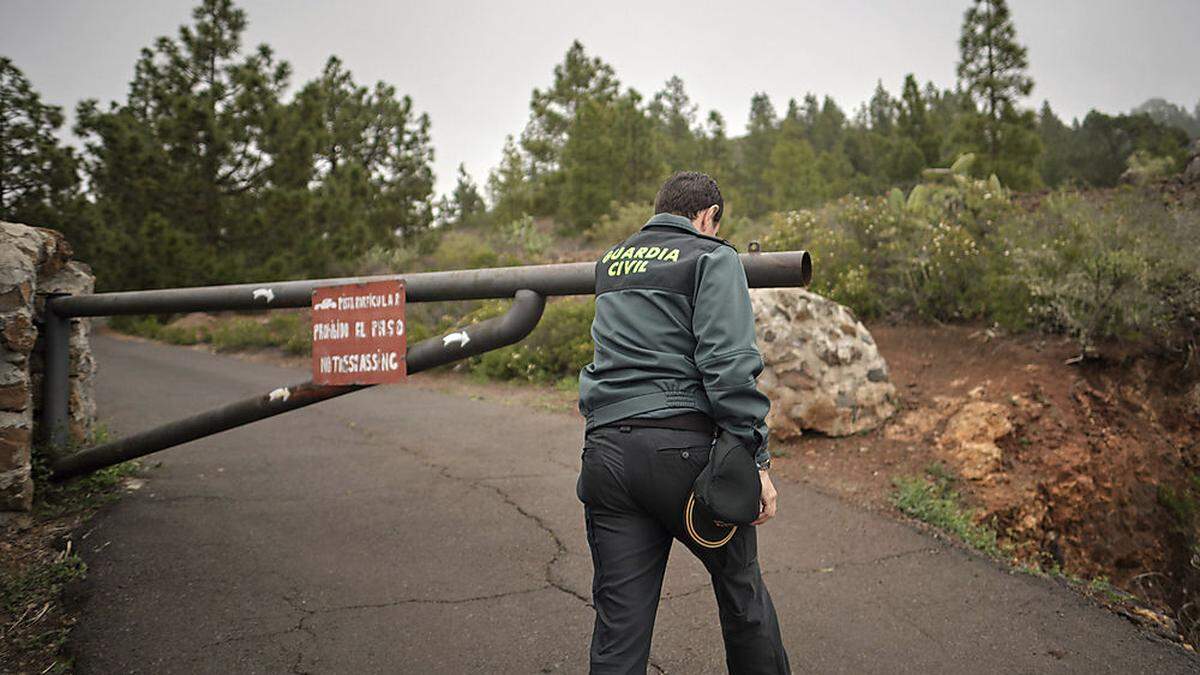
(1077, 486)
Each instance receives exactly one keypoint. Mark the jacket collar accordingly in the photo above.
(680, 223)
(671, 220)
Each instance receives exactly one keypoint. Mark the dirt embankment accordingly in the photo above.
(1087, 468)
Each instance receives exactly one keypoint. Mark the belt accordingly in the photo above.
(693, 421)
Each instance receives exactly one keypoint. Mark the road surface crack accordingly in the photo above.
(561, 548)
(428, 601)
(479, 483)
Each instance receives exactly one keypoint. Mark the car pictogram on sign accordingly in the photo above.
(358, 334)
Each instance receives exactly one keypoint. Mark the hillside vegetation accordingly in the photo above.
(218, 167)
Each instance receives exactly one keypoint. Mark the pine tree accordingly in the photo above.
(186, 150)
(466, 197)
(809, 111)
(792, 175)
(1057, 138)
(993, 67)
(577, 80)
(828, 127)
(463, 205)
(206, 158)
(881, 110)
(674, 117)
(372, 178)
(610, 157)
(715, 157)
(757, 146)
(914, 122)
(508, 187)
(1102, 145)
(39, 180)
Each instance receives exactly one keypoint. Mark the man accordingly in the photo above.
(675, 359)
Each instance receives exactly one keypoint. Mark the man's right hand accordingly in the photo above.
(767, 501)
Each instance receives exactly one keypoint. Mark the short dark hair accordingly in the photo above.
(687, 193)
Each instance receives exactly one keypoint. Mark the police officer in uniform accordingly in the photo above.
(675, 361)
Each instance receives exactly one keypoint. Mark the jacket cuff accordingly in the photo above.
(762, 455)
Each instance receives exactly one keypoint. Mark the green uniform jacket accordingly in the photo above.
(674, 333)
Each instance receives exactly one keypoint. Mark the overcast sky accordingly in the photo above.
(472, 66)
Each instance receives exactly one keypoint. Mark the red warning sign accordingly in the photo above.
(358, 334)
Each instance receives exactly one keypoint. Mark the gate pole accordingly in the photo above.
(500, 331)
(56, 384)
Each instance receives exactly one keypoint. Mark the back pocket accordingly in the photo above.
(695, 455)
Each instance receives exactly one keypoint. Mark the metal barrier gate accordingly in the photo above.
(528, 286)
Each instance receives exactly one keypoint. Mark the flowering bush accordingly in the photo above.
(891, 256)
(1123, 269)
(957, 248)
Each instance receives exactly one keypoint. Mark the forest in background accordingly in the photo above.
(211, 171)
(939, 204)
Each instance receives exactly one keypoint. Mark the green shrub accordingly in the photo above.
(558, 348)
(461, 250)
(1122, 269)
(1143, 167)
(957, 248)
(183, 335)
(880, 256)
(1184, 506)
(291, 332)
(240, 334)
(39, 584)
(740, 231)
(932, 500)
(416, 331)
(288, 331)
(380, 260)
(142, 326)
(618, 226)
(524, 235)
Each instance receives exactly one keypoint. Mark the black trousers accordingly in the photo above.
(634, 484)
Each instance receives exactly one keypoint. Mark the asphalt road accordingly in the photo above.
(402, 530)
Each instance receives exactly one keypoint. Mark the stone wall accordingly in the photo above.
(34, 263)
(822, 369)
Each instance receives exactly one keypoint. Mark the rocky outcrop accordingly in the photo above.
(965, 430)
(970, 436)
(1191, 171)
(34, 263)
(822, 369)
